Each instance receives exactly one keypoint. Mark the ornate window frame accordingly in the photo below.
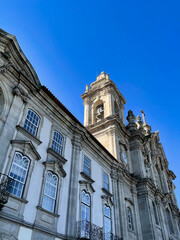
(34, 123)
(105, 216)
(21, 128)
(16, 181)
(43, 216)
(26, 148)
(130, 218)
(56, 128)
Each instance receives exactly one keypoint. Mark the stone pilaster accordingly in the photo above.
(114, 177)
(7, 132)
(73, 186)
(137, 216)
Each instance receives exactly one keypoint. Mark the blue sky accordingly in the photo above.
(137, 42)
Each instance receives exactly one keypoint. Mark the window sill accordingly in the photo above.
(28, 134)
(48, 212)
(56, 155)
(105, 191)
(18, 198)
(85, 176)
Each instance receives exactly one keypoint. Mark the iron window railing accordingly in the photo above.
(88, 230)
(5, 188)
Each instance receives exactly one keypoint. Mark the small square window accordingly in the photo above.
(86, 166)
(106, 181)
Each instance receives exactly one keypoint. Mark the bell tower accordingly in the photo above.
(104, 112)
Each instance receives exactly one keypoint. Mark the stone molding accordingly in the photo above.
(28, 134)
(27, 146)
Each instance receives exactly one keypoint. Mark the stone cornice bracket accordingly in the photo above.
(27, 148)
(107, 200)
(19, 92)
(4, 65)
(132, 127)
(56, 166)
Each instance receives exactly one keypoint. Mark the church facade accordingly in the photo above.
(62, 180)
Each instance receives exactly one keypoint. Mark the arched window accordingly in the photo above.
(85, 206)
(155, 213)
(130, 219)
(18, 173)
(32, 122)
(169, 219)
(116, 109)
(107, 222)
(85, 215)
(57, 142)
(50, 192)
(1, 101)
(100, 112)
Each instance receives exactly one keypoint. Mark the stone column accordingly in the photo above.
(109, 110)
(87, 112)
(73, 187)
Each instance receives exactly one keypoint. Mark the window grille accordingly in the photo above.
(32, 122)
(86, 166)
(107, 222)
(50, 191)
(57, 142)
(106, 181)
(130, 219)
(18, 173)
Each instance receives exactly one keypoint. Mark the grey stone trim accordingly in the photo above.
(56, 166)
(51, 213)
(34, 226)
(56, 155)
(89, 179)
(25, 145)
(105, 191)
(87, 184)
(28, 134)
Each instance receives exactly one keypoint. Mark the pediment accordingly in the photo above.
(55, 166)
(27, 148)
(12, 58)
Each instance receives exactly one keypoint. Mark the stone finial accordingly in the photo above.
(147, 128)
(131, 118)
(87, 88)
(143, 115)
(139, 123)
(104, 76)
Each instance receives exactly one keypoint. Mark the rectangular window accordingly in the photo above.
(86, 166)
(106, 181)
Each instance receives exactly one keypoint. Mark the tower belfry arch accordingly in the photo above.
(104, 112)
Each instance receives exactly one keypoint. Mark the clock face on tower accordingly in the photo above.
(124, 157)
